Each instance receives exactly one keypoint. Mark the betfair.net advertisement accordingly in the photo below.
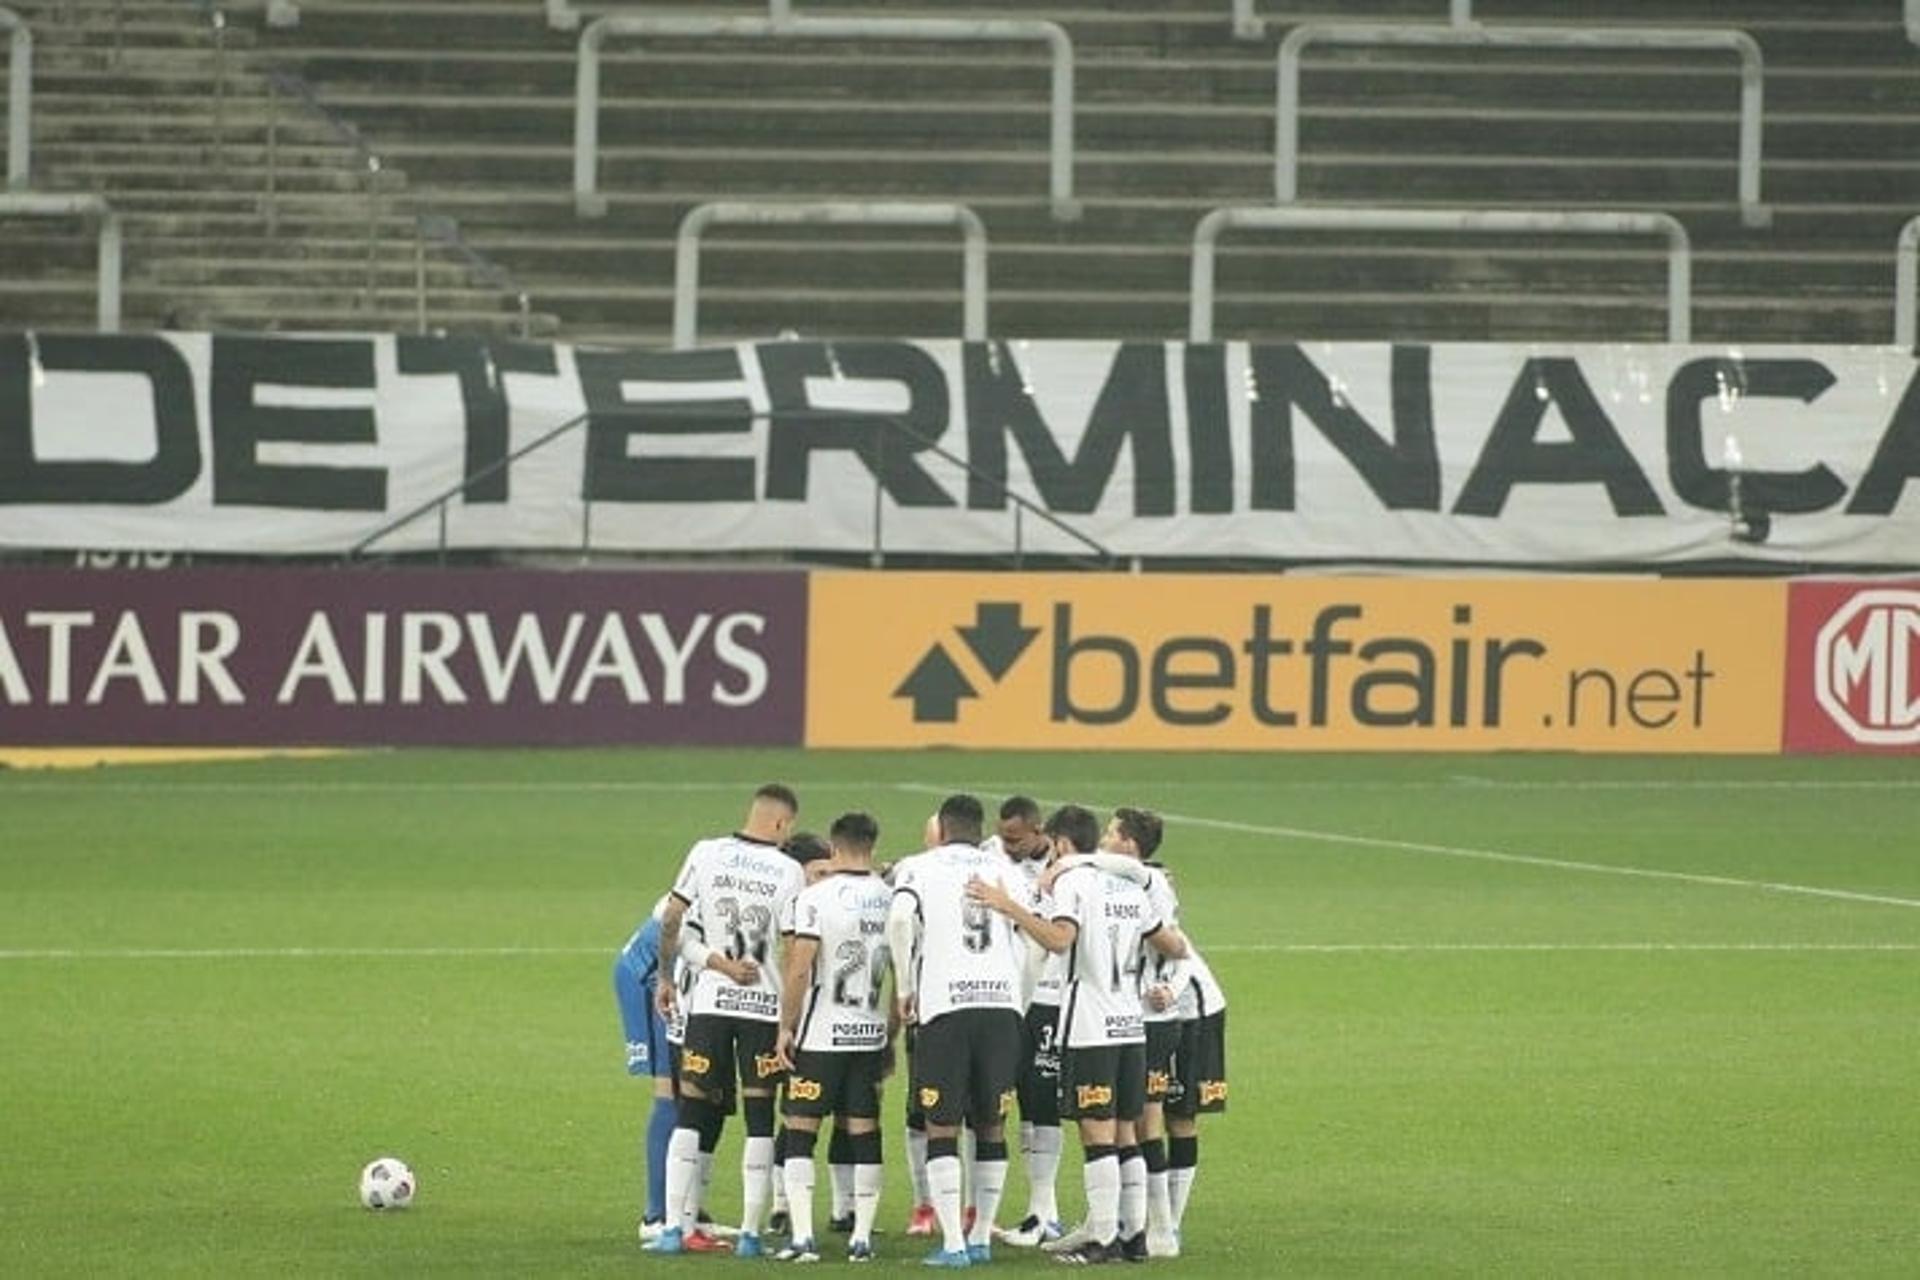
(1066, 661)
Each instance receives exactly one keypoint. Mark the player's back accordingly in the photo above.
(846, 914)
(970, 956)
(741, 887)
(1163, 970)
(1113, 916)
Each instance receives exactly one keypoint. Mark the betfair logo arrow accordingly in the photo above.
(997, 639)
(936, 687)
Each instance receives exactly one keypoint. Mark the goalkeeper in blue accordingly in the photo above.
(634, 971)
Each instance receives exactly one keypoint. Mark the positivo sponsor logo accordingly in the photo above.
(1864, 674)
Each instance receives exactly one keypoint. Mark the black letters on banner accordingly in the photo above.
(886, 451)
(1405, 474)
(1209, 430)
(241, 367)
(176, 454)
(613, 475)
(1132, 408)
(1700, 485)
(1515, 455)
(1895, 461)
(483, 396)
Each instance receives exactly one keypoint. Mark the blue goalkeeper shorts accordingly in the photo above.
(633, 977)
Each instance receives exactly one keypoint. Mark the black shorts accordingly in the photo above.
(1105, 1082)
(916, 1118)
(1200, 1067)
(1040, 1072)
(824, 1083)
(1163, 1039)
(719, 1044)
(966, 1065)
(723, 1100)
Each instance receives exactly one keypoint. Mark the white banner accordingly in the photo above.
(1344, 452)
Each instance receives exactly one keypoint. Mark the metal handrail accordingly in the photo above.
(19, 100)
(107, 290)
(686, 256)
(1906, 280)
(1248, 26)
(588, 201)
(439, 501)
(1321, 217)
(928, 444)
(444, 230)
(435, 227)
(1286, 157)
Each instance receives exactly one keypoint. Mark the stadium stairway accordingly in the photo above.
(147, 104)
(473, 100)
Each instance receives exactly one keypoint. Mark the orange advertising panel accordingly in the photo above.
(1243, 662)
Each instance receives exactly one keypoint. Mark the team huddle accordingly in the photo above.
(1043, 964)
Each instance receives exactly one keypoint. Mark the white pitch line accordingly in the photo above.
(292, 953)
(1517, 859)
(1456, 782)
(1330, 948)
(1335, 948)
(403, 787)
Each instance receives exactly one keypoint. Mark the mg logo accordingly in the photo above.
(1865, 662)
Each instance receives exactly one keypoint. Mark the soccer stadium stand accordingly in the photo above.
(253, 202)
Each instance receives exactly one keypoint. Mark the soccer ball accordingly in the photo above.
(387, 1183)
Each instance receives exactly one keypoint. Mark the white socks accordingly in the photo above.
(1179, 1187)
(1102, 1175)
(756, 1175)
(867, 1180)
(1133, 1193)
(943, 1181)
(917, 1166)
(1043, 1172)
(989, 1180)
(683, 1178)
(797, 1175)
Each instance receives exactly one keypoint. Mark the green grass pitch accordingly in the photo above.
(1519, 1016)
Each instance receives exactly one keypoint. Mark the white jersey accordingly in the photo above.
(846, 913)
(1113, 918)
(969, 955)
(1050, 987)
(1163, 970)
(1200, 994)
(683, 975)
(742, 888)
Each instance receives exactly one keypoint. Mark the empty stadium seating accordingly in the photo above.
(469, 103)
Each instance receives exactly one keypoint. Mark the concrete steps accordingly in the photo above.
(148, 105)
(471, 101)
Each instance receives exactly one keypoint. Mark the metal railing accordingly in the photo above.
(1286, 158)
(923, 443)
(588, 201)
(686, 255)
(286, 84)
(442, 230)
(1469, 221)
(1906, 281)
(1248, 26)
(107, 231)
(19, 100)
